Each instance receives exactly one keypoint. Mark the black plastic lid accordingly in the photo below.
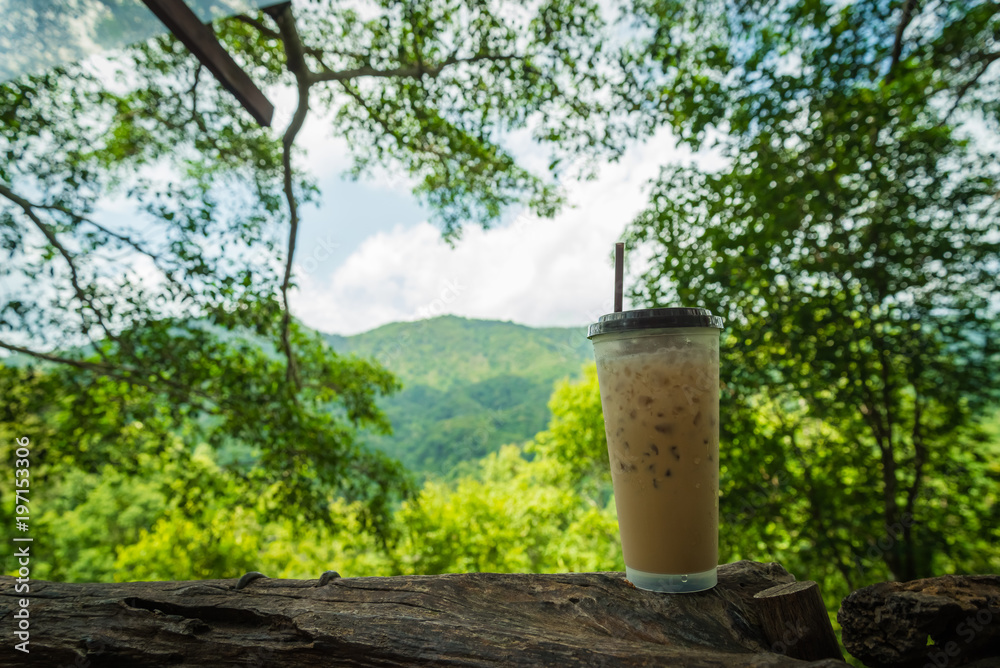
(654, 318)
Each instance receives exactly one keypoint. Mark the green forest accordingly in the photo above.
(494, 389)
(184, 425)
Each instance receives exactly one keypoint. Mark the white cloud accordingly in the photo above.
(536, 272)
(323, 153)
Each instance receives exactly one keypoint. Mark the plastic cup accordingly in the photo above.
(658, 371)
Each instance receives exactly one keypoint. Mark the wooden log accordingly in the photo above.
(795, 622)
(475, 619)
(950, 620)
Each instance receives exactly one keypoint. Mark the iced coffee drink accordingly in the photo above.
(658, 372)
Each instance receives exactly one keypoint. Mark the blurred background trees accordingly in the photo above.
(850, 240)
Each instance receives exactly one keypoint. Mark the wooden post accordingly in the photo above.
(795, 622)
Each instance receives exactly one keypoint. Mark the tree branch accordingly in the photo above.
(919, 459)
(873, 416)
(897, 47)
(81, 219)
(817, 513)
(889, 481)
(81, 295)
(310, 50)
(297, 65)
(127, 374)
(295, 52)
(295, 49)
(291, 40)
(384, 124)
(193, 92)
(111, 233)
(261, 28)
(103, 369)
(414, 71)
(987, 60)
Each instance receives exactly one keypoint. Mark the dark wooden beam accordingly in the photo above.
(200, 40)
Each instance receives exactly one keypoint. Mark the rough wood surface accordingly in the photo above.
(473, 619)
(887, 625)
(795, 622)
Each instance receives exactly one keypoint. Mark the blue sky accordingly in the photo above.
(369, 254)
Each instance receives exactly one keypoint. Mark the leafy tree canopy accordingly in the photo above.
(188, 299)
(849, 239)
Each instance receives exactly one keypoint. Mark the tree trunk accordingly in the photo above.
(475, 619)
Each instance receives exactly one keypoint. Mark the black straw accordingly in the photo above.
(619, 275)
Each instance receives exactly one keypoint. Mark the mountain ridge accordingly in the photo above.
(469, 386)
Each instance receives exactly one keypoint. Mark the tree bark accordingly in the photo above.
(795, 622)
(475, 619)
(887, 625)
